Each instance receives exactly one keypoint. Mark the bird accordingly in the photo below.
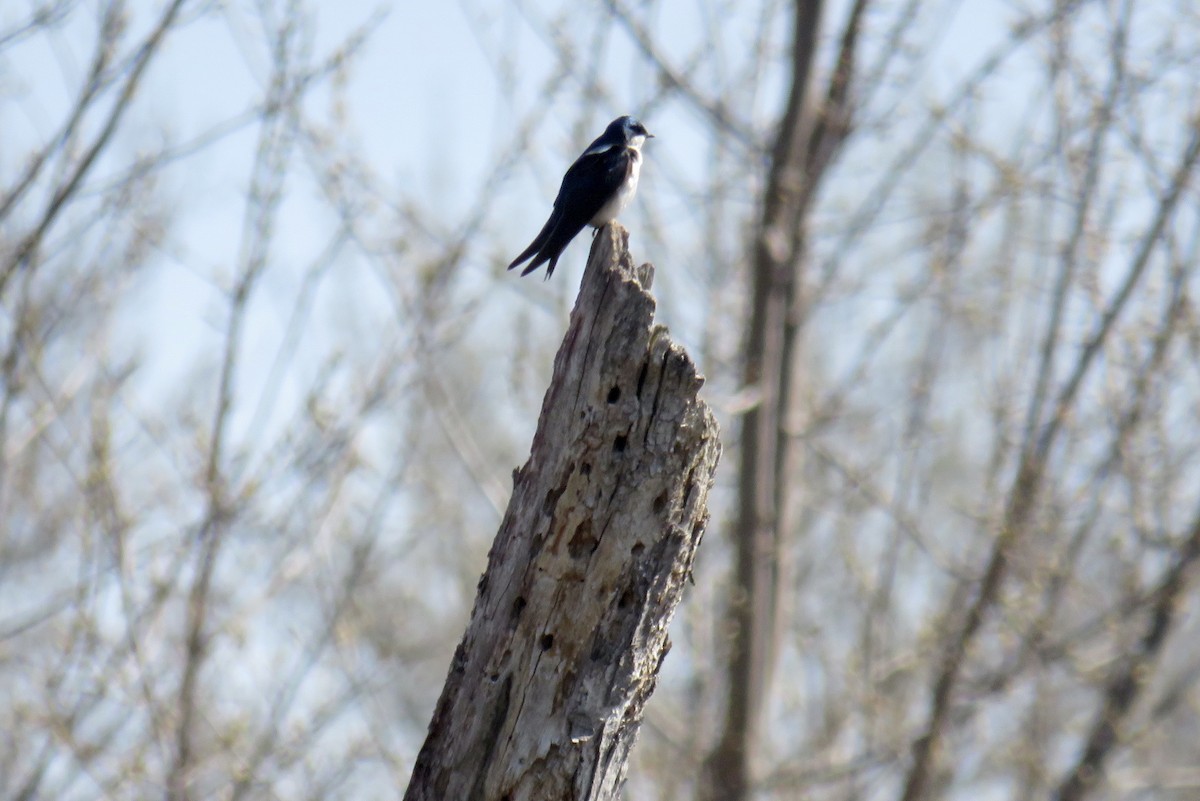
(596, 188)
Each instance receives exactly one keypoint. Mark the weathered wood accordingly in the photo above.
(546, 690)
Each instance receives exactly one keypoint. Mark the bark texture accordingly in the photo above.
(546, 690)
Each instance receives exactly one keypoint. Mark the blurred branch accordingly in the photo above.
(265, 193)
(877, 197)
(26, 250)
(808, 139)
(48, 15)
(107, 41)
(1126, 685)
(286, 696)
(1102, 129)
(463, 441)
(714, 110)
(1023, 497)
(861, 483)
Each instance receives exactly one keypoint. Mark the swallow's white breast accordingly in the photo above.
(623, 197)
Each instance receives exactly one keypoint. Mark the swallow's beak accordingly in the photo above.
(649, 135)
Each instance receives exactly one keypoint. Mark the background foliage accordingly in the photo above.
(261, 387)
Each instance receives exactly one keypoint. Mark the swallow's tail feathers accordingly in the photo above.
(555, 244)
(538, 243)
(527, 252)
(541, 259)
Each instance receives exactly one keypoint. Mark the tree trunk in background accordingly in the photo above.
(545, 692)
(809, 137)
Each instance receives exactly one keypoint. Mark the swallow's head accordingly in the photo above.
(629, 131)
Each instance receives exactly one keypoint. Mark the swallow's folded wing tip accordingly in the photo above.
(533, 265)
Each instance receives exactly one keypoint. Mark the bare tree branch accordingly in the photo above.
(1027, 485)
(24, 252)
(1126, 684)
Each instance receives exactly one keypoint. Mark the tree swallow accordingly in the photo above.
(596, 188)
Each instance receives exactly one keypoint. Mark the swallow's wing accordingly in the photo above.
(540, 240)
(590, 183)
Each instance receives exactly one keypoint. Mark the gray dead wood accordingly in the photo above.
(545, 692)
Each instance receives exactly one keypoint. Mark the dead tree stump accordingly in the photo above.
(546, 690)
